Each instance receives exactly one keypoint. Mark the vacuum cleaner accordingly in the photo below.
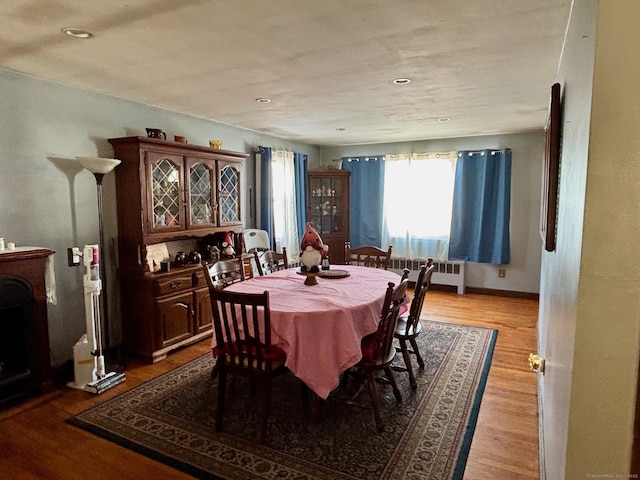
(88, 359)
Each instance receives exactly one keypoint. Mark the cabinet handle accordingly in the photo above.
(191, 311)
(176, 284)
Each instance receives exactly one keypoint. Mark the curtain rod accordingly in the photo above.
(355, 158)
(471, 152)
(493, 152)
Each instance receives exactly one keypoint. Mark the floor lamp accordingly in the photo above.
(100, 167)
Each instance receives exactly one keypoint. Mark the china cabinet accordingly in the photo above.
(169, 192)
(328, 207)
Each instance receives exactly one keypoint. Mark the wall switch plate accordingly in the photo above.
(502, 273)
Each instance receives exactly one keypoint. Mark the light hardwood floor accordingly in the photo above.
(36, 443)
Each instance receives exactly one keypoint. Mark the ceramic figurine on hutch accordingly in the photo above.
(227, 246)
(156, 133)
(312, 250)
(180, 258)
(194, 257)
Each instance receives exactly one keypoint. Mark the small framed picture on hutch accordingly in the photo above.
(551, 171)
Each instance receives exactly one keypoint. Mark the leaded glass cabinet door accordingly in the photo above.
(165, 180)
(328, 208)
(327, 204)
(229, 194)
(201, 194)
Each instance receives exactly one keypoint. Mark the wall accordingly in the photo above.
(589, 326)
(523, 273)
(48, 200)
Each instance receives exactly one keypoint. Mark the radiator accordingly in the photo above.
(446, 273)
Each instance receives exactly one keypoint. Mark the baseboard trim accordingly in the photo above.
(503, 293)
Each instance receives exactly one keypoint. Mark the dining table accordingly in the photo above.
(320, 327)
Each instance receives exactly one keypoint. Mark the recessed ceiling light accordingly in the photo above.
(263, 100)
(443, 119)
(402, 81)
(340, 129)
(77, 32)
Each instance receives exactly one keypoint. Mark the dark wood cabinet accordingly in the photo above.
(176, 318)
(163, 311)
(328, 208)
(169, 192)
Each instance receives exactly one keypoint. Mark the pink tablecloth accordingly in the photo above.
(320, 326)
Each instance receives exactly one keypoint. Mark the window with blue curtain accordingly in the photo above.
(301, 169)
(366, 199)
(417, 207)
(281, 191)
(481, 207)
(284, 202)
(265, 193)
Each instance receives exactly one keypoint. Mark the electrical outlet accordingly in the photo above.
(502, 273)
(73, 256)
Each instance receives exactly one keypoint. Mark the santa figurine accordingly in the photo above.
(312, 250)
(227, 249)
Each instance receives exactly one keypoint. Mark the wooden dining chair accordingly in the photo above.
(270, 261)
(250, 265)
(409, 326)
(242, 328)
(225, 272)
(378, 350)
(368, 256)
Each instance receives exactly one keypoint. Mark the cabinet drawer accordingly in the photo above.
(199, 280)
(172, 285)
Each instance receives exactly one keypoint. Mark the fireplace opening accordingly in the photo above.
(16, 324)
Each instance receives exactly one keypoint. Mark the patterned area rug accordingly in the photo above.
(427, 435)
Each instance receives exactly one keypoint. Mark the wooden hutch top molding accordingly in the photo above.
(180, 148)
(327, 168)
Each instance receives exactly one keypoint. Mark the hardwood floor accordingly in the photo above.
(505, 443)
(36, 443)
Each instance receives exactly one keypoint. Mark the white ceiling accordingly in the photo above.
(487, 66)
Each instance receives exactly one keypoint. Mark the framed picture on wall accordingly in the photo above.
(551, 172)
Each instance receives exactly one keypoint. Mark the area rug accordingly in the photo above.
(426, 436)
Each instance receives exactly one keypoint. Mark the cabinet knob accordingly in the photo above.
(176, 284)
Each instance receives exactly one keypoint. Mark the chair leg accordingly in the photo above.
(222, 383)
(414, 344)
(394, 385)
(373, 392)
(214, 370)
(407, 362)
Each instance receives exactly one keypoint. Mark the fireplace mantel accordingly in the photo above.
(28, 264)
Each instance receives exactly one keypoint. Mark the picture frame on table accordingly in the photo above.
(551, 171)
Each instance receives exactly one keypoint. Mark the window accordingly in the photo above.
(284, 203)
(418, 196)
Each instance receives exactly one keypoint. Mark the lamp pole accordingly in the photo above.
(100, 167)
(103, 270)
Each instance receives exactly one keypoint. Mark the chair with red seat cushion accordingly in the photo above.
(409, 326)
(377, 348)
(242, 328)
